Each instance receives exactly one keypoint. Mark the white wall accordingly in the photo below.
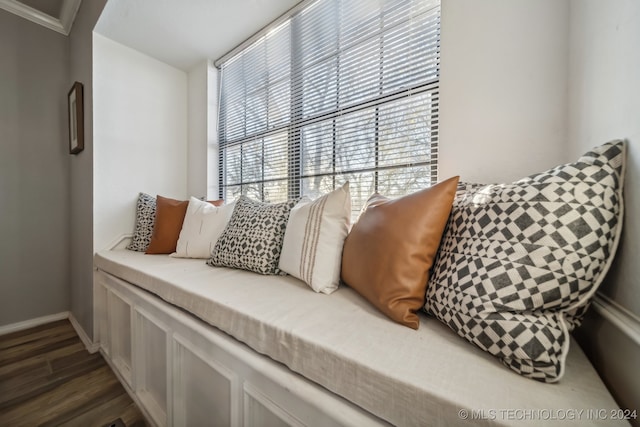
(202, 174)
(527, 85)
(503, 88)
(604, 103)
(203, 135)
(140, 135)
(34, 171)
(198, 130)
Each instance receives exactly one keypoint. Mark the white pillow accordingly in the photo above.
(203, 224)
(312, 247)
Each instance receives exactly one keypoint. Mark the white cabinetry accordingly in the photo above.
(183, 372)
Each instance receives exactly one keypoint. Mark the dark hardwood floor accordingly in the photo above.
(48, 378)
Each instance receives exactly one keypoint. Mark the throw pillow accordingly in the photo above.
(252, 240)
(166, 230)
(203, 224)
(145, 219)
(315, 233)
(520, 262)
(388, 253)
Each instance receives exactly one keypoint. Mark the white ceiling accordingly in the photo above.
(183, 33)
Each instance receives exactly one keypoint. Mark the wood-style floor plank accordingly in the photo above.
(42, 331)
(30, 349)
(10, 370)
(107, 412)
(47, 378)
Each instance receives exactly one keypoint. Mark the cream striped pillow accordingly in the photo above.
(312, 247)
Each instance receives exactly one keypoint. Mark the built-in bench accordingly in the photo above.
(199, 345)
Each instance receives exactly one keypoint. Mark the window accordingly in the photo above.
(341, 90)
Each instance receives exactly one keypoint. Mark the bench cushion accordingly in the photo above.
(404, 376)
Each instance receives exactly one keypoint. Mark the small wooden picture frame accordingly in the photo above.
(76, 118)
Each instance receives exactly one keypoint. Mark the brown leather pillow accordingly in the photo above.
(169, 218)
(390, 250)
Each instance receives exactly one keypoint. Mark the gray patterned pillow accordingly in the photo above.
(145, 219)
(519, 263)
(252, 240)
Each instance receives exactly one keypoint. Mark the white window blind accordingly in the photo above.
(341, 90)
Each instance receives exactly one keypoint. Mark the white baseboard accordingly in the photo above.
(26, 324)
(625, 321)
(91, 346)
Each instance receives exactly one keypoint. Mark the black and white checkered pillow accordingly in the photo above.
(145, 219)
(520, 262)
(252, 240)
